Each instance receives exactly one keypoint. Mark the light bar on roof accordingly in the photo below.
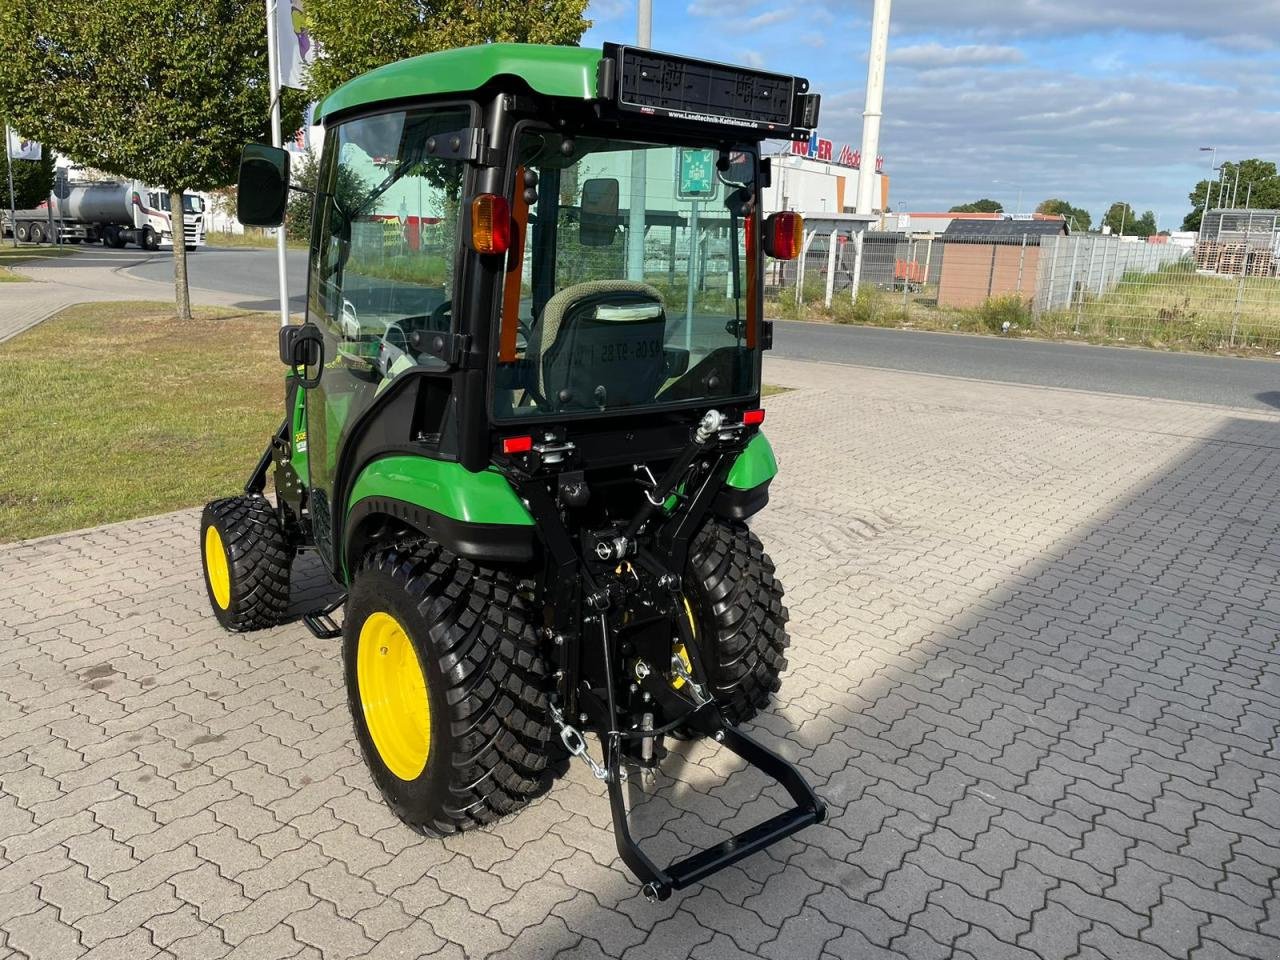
(663, 85)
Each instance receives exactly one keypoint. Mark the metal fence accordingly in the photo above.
(1218, 294)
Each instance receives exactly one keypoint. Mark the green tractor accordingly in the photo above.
(522, 426)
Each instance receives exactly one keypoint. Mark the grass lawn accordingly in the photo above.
(117, 410)
(11, 255)
(113, 411)
(250, 238)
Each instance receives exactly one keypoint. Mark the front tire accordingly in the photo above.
(740, 622)
(247, 560)
(447, 688)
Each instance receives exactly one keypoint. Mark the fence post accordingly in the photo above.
(1102, 274)
(1235, 317)
(906, 281)
(804, 256)
(1083, 286)
(1053, 275)
(831, 266)
(1022, 259)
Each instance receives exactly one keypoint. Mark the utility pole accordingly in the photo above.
(873, 110)
(639, 174)
(273, 68)
(877, 57)
(1208, 186)
(13, 204)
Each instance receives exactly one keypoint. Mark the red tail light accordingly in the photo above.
(753, 418)
(490, 224)
(784, 235)
(517, 444)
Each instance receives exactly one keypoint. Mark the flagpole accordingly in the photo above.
(273, 68)
(13, 204)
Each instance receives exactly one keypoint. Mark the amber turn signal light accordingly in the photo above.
(490, 224)
(783, 235)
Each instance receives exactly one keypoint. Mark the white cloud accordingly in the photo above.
(948, 133)
(1046, 18)
(927, 55)
(603, 11)
(766, 19)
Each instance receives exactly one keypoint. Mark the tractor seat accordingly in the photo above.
(601, 344)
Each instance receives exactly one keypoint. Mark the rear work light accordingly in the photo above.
(512, 445)
(490, 224)
(783, 235)
(753, 418)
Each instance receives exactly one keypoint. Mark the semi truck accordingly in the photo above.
(116, 212)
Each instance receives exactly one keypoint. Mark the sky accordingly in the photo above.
(1093, 101)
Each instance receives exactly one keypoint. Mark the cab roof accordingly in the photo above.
(553, 71)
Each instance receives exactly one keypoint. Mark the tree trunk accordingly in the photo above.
(178, 223)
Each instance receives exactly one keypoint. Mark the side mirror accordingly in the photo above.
(262, 191)
(783, 235)
(598, 220)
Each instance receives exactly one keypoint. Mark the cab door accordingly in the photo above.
(384, 255)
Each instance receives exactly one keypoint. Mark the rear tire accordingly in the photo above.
(23, 232)
(36, 232)
(477, 664)
(737, 605)
(249, 586)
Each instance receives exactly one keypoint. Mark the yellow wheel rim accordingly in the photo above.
(679, 649)
(216, 567)
(393, 695)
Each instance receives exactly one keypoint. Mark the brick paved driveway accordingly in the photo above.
(1034, 674)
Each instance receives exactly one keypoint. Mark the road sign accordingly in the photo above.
(697, 174)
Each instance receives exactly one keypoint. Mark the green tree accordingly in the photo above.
(1077, 217)
(1260, 174)
(163, 91)
(985, 205)
(32, 181)
(1145, 225)
(1123, 219)
(305, 174)
(358, 35)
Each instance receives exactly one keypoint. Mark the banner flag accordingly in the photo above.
(296, 50)
(21, 148)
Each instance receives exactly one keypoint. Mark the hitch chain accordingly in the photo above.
(576, 744)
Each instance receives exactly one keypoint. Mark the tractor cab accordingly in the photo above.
(523, 419)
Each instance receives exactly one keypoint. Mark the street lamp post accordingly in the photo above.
(1213, 163)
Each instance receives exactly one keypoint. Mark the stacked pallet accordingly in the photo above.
(1262, 263)
(1232, 258)
(1206, 254)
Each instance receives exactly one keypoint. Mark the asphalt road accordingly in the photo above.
(1228, 381)
(1130, 371)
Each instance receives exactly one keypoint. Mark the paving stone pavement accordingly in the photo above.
(84, 277)
(1034, 673)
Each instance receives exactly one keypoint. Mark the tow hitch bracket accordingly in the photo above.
(658, 882)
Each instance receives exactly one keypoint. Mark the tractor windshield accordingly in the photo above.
(633, 282)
